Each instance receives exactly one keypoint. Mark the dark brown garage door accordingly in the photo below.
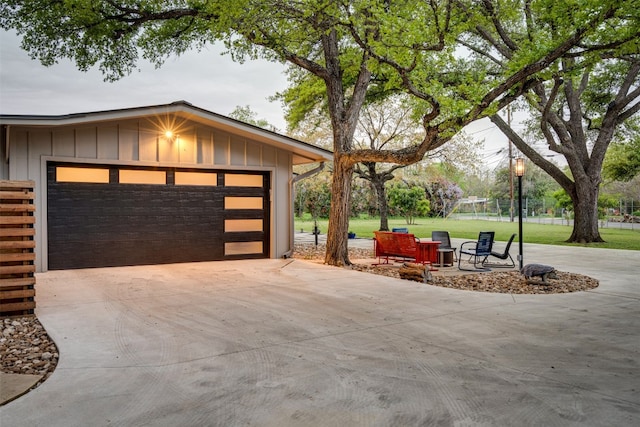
(102, 216)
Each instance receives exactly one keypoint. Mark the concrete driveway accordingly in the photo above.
(293, 343)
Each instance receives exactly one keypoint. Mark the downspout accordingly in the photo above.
(292, 182)
(6, 154)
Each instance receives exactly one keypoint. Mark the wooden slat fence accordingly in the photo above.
(17, 248)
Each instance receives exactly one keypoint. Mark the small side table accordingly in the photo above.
(445, 257)
(429, 251)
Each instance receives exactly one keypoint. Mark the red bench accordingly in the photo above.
(403, 246)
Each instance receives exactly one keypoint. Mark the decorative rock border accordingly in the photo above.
(508, 282)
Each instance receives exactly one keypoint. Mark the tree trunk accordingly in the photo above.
(337, 244)
(383, 206)
(585, 208)
(583, 190)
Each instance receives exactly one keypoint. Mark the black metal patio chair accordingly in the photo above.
(505, 256)
(445, 247)
(478, 251)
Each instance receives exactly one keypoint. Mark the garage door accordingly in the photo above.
(102, 216)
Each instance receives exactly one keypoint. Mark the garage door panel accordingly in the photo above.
(74, 209)
(242, 191)
(244, 237)
(106, 203)
(244, 214)
(95, 225)
(108, 232)
(130, 252)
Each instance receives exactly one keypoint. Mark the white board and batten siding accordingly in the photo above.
(135, 142)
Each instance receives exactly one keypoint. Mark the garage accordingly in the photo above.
(154, 185)
(101, 216)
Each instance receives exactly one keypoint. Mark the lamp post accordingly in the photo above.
(520, 173)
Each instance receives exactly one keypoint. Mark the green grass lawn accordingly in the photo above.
(468, 229)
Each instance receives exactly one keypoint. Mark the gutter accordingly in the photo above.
(308, 174)
(292, 181)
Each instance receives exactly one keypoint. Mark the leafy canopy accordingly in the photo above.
(622, 162)
(423, 47)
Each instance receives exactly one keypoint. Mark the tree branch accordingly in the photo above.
(480, 52)
(498, 26)
(486, 35)
(630, 79)
(549, 167)
(631, 111)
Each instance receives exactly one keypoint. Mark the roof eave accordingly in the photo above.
(303, 152)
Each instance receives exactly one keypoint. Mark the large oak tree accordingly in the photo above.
(356, 49)
(581, 101)
(578, 120)
(579, 113)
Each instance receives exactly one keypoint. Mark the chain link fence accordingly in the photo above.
(543, 211)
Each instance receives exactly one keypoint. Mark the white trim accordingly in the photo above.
(44, 193)
(189, 112)
(273, 236)
(154, 164)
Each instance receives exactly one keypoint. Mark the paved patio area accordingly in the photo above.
(294, 343)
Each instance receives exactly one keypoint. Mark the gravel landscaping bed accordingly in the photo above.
(25, 347)
(510, 282)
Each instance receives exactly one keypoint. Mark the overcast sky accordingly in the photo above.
(206, 79)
